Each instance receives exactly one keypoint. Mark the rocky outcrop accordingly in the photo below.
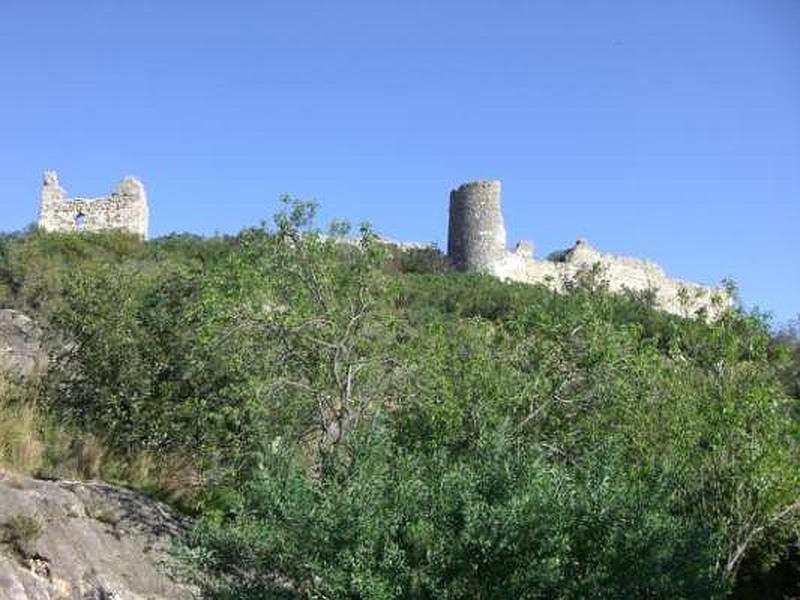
(69, 540)
(21, 353)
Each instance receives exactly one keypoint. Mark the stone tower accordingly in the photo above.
(477, 236)
(125, 209)
(477, 242)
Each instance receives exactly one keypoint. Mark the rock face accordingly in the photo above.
(20, 344)
(126, 209)
(66, 540)
(477, 242)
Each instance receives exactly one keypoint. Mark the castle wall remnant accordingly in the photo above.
(477, 242)
(125, 209)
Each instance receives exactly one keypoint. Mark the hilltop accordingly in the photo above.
(361, 421)
(476, 243)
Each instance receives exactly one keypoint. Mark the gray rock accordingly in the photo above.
(71, 540)
(21, 352)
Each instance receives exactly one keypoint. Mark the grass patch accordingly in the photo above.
(34, 444)
(21, 532)
(22, 447)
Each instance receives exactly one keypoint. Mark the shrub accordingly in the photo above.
(498, 522)
(429, 261)
(347, 425)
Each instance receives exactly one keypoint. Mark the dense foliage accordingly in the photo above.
(364, 424)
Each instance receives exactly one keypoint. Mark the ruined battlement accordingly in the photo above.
(125, 209)
(477, 242)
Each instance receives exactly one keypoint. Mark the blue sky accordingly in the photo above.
(665, 130)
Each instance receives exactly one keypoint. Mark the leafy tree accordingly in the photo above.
(367, 424)
(496, 521)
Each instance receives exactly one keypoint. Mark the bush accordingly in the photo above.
(423, 261)
(348, 427)
(498, 522)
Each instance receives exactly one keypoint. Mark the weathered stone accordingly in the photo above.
(92, 540)
(477, 242)
(477, 238)
(21, 353)
(126, 209)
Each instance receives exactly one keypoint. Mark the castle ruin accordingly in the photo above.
(125, 210)
(477, 242)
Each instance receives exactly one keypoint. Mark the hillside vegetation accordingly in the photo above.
(349, 420)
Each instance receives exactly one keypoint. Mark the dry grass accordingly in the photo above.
(172, 478)
(21, 446)
(33, 444)
(90, 454)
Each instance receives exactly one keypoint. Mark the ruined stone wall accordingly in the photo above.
(126, 209)
(481, 238)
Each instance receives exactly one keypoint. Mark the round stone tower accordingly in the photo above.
(477, 236)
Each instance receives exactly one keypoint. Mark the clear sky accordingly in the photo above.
(668, 130)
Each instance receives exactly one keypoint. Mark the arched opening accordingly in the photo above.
(80, 220)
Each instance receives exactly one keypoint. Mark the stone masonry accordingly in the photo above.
(477, 242)
(126, 209)
(477, 235)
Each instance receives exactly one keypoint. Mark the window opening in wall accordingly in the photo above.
(80, 220)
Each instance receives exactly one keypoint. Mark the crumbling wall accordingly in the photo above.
(617, 273)
(125, 209)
